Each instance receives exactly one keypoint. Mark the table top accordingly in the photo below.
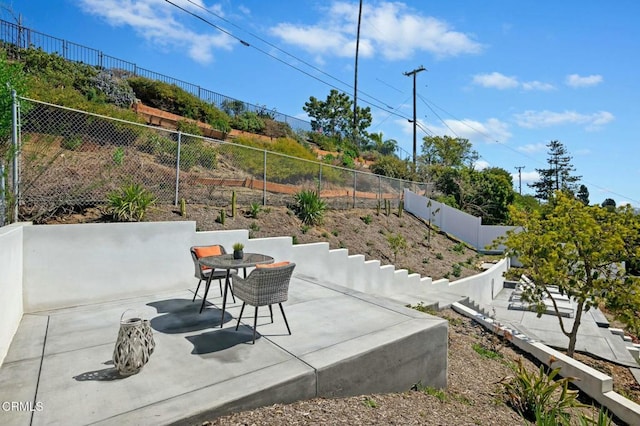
(226, 261)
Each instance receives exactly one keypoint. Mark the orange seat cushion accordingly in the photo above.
(273, 265)
(207, 251)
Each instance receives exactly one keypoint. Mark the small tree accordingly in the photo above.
(583, 195)
(576, 248)
(557, 177)
(334, 117)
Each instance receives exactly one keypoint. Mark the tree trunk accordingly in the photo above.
(574, 330)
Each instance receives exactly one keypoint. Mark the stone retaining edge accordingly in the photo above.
(597, 385)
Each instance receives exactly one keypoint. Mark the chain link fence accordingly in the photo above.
(71, 160)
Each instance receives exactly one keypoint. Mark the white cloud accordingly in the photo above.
(158, 23)
(532, 148)
(492, 130)
(496, 80)
(500, 81)
(481, 165)
(537, 85)
(575, 80)
(527, 177)
(537, 119)
(390, 28)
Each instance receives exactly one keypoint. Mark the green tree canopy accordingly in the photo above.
(486, 193)
(447, 152)
(577, 248)
(334, 117)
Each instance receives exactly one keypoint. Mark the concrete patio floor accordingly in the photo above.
(591, 338)
(343, 343)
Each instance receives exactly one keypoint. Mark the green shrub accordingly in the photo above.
(249, 122)
(367, 219)
(397, 243)
(130, 203)
(486, 353)
(71, 143)
(309, 207)
(254, 210)
(537, 396)
(456, 270)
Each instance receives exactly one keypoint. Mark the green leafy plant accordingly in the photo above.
(72, 143)
(118, 156)
(237, 246)
(429, 390)
(254, 227)
(458, 248)
(367, 219)
(398, 243)
(304, 229)
(439, 256)
(456, 270)
(309, 207)
(254, 210)
(427, 309)
(537, 395)
(369, 402)
(130, 203)
(486, 353)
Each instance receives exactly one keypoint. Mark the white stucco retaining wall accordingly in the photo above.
(461, 225)
(11, 310)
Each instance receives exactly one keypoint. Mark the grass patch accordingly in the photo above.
(486, 353)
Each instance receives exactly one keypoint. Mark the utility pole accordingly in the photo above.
(519, 168)
(355, 83)
(413, 73)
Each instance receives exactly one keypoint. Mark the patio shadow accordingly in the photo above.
(183, 316)
(219, 340)
(103, 375)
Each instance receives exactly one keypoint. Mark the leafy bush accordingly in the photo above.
(254, 210)
(309, 207)
(130, 203)
(173, 99)
(397, 242)
(248, 122)
(114, 89)
(71, 143)
(392, 166)
(538, 396)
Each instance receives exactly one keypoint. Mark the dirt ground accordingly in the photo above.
(471, 398)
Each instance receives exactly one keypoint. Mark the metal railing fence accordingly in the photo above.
(71, 159)
(23, 38)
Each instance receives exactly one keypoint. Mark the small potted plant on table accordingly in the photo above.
(237, 250)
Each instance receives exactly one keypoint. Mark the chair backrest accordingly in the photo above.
(271, 284)
(204, 251)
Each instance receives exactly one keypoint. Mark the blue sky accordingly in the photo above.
(510, 76)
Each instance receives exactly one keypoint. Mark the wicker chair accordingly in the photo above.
(263, 287)
(203, 273)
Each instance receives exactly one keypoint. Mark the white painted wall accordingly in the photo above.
(67, 265)
(10, 284)
(461, 225)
